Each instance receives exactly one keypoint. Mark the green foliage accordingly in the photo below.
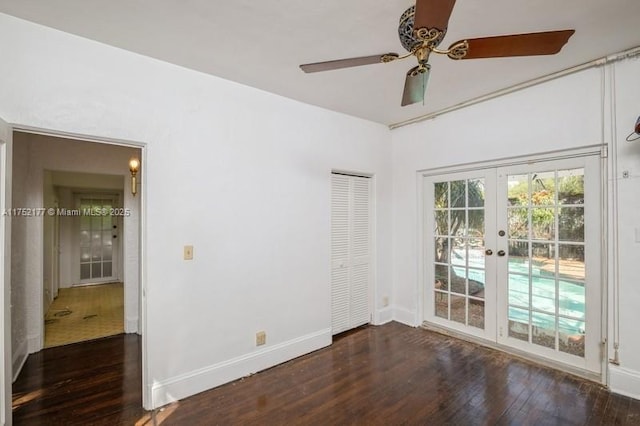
(570, 190)
(450, 200)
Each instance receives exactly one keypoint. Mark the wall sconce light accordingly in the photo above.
(134, 166)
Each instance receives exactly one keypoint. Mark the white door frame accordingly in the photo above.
(6, 133)
(5, 246)
(497, 163)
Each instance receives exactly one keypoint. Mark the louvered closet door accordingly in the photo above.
(350, 252)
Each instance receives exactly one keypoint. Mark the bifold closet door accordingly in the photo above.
(350, 251)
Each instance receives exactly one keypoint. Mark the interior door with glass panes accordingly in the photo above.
(459, 228)
(98, 236)
(549, 260)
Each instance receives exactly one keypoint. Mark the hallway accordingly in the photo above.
(83, 313)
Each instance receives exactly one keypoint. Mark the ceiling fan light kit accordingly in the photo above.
(421, 30)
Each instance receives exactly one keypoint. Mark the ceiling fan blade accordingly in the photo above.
(347, 63)
(544, 43)
(415, 84)
(433, 13)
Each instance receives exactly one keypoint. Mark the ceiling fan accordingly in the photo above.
(422, 28)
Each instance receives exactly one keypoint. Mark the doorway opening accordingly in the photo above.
(80, 233)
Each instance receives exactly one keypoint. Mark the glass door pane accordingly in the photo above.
(97, 233)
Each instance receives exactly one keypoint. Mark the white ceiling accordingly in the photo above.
(261, 43)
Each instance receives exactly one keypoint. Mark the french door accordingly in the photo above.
(461, 289)
(513, 256)
(97, 235)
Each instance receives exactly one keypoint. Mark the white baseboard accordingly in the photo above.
(18, 359)
(405, 317)
(34, 344)
(383, 316)
(131, 325)
(191, 383)
(623, 381)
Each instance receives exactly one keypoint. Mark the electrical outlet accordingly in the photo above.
(188, 252)
(385, 301)
(261, 338)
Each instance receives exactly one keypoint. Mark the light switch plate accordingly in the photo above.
(261, 338)
(188, 252)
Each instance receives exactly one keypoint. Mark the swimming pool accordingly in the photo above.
(532, 290)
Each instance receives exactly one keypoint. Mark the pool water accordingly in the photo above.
(570, 294)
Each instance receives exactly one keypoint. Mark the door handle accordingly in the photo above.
(488, 252)
(501, 253)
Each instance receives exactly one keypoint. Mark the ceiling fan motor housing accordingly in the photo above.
(406, 33)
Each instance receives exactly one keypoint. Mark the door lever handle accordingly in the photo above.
(501, 253)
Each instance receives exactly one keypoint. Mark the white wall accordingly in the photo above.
(242, 175)
(543, 118)
(560, 114)
(626, 211)
(65, 200)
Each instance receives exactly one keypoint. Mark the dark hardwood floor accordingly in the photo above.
(94, 382)
(386, 375)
